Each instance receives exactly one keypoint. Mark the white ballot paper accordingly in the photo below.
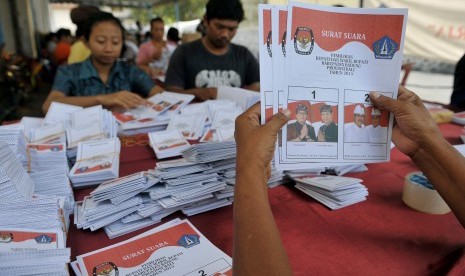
(334, 57)
(178, 249)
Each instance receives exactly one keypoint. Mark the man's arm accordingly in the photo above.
(258, 249)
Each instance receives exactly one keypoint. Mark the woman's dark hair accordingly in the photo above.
(221, 9)
(99, 17)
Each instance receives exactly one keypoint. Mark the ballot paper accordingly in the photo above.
(96, 162)
(265, 44)
(191, 127)
(168, 143)
(154, 114)
(242, 97)
(335, 192)
(60, 113)
(331, 59)
(48, 134)
(175, 249)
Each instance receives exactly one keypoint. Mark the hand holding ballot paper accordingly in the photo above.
(327, 58)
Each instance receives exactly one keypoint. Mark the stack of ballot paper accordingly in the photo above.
(209, 152)
(96, 162)
(154, 115)
(13, 136)
(334, 192)
(113, 200)
(191, 127)
(33, 252)
(321, 63)
(174, 248)
(46, 157)
(60, 113)
(15, 183)
(167, 143)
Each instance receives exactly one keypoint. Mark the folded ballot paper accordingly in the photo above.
(334, 192)
(13, 136)
(96, 162)
(168, 143)
(153, 115)
(174, 248)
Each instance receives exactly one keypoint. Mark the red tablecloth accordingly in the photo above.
(381, 236)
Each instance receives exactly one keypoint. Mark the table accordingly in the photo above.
(381, 236)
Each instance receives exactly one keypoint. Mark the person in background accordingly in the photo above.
(130, 50)
(51, 39)
(258, 249)
(201, 66)
(154, 55)
(172, 37)
(102, 79)
(63, 48)
(79, 15)
(328, 131)
(457, 99)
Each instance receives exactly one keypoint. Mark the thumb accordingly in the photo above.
(278, 120)
(382, 101)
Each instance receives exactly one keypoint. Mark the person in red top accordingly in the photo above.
(63, 47)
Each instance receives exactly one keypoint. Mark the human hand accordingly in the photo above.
(321, 136)
(204, 94)
(255, 143)
(303, 132)
(121, 99)
(413, 125)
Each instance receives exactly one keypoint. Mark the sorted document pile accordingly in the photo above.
(91, 123)
(96, 162)
(167, 143)
(153, 115)
(113, 200)
(334, 192)
(174, 248)
(13, 136)
(33, 252)
(46, 157)
(32, 227)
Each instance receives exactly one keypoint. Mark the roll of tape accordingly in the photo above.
(420, 195)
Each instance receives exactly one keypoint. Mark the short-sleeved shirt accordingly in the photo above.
(82, 79)
(193, 66)
(146, 51)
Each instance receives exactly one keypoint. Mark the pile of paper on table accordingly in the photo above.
(13, 136)
(167, 143)
(113, 200)
(32, 227)
(335, 192)
(154, 115)
(174, 248)
(96, 162)
(91, 123)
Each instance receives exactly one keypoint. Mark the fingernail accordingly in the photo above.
(287, 112)
(375, 94)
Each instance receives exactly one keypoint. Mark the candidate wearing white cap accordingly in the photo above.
(356, 132)
(376, 133)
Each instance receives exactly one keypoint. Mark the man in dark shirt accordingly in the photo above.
(199, 67)
(328, 131)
